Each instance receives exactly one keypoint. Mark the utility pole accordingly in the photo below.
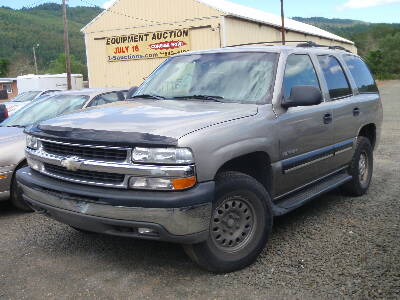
(34, 58)
(283, 24)
(66, 46)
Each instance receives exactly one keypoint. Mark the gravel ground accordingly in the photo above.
(334, 247)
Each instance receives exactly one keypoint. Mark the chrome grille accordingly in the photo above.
(86, 176)
(91, 153)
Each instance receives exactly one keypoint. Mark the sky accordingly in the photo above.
(385, 11)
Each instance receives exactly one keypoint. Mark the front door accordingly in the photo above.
(305, 131)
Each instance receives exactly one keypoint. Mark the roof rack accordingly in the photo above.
(313, 44)
(304, 44)
(260, 43)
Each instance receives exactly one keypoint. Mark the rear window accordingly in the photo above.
(361, 74)
(338, 84)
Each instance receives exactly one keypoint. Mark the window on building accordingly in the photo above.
(8, 87)
(299, 71)
(361, 74)
(336, 80)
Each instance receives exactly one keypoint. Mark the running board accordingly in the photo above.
(297, 199)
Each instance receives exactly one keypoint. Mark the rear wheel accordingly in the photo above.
(240, 225)
(360, 169)
(16, 194)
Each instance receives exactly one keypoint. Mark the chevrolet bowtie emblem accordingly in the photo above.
(72, 163)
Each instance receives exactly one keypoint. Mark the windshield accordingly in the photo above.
(26, 96)
(232, 77)
(45, 109)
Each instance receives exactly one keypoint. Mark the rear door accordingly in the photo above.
(346, 106)
(305, 131)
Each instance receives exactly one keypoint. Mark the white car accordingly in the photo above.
(25, 98)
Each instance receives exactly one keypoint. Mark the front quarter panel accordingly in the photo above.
(11, 154)
(215, 145)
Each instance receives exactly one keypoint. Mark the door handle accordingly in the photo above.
(356, 111)
(327, 118)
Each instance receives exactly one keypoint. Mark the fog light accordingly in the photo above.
(35, 164)
(146, 231)
(150, 183)
(162, 184)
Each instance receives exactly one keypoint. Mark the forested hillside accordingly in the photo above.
(21, 29)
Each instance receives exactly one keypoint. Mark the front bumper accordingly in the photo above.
(172, 216)
(6, 174)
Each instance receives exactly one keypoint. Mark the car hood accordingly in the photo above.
(156, 118)
(11, 133)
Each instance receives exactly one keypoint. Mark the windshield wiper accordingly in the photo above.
(148, 96)
(18, 126)
(202, 97)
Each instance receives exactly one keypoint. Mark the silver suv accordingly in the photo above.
(214, 146)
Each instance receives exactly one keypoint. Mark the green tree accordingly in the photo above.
(57, 66)
(4, 64)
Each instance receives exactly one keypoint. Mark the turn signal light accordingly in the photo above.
(183, 183)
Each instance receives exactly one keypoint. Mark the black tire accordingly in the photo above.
(361, 180)
(242, 216)
(16, 194)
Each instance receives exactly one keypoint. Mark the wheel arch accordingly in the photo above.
(369, 131)
(17, 167)
(255, 164)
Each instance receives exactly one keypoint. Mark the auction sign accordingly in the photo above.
(160, 44)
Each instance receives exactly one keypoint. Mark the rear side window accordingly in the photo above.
(105, 99)
(336, 80)
(361, 74)
(299, 71)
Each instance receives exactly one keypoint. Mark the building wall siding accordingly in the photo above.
(128, 73)
(209, 29)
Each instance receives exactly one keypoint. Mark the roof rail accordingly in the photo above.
(304, 44)
(313, 44)
(269, 42)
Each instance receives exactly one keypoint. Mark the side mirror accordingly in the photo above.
(303, 95)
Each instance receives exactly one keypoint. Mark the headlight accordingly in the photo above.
(162, 155)
(32, 142)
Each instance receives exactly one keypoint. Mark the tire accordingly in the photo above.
(240, 225)
(361, 168)
(16, 194)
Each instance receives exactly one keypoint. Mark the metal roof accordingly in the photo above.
(7, 80)
(256, 15)
(244, 12)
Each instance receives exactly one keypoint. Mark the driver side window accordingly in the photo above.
(299, 71)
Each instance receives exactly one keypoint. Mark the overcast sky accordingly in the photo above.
(387, 11)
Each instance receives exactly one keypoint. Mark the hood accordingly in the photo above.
(157, 118)
(11, 133)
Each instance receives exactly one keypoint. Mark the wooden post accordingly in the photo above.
(66, 46)
(34, 59)
(283, 24)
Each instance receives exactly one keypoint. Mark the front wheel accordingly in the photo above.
(240, 225)
(361, 168)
